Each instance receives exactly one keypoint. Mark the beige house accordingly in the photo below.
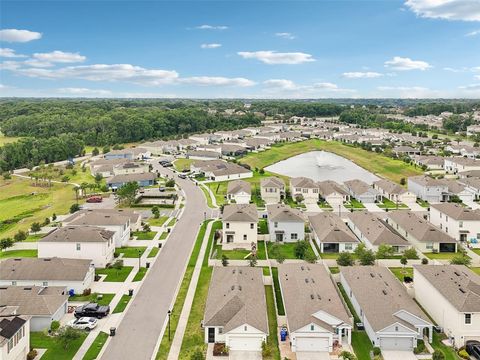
(14, 334)
(331, 233)
(394, 192)
(239, 225)
(272, 189)
(239, 191)
(333, 193)
(305, 188)
(130, 168)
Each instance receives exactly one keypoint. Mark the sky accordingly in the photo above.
(240, 49)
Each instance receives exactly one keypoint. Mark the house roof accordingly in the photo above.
(328, 187)
(425, 180)
(405, 149)
(47, 269)
(419, 228)
(240, 212)
(390, 187)
(330, 228)
(460, 160)
(457, 212)
(453, 186)
(375, 230)
(306, 290)
(359, 187)
(237, 186)
(303, 182)
(429, 160)
(124, 178)
(77, 234)
(9, 325)
(284, 213)
(272, 181)
(34, 300)
(236, 296)
(220, 167)
(134, 216)
(99, 219)
(457, 283)
(380, 295)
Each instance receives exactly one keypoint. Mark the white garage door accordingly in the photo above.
(396, 343)
(312, 344)
(252, 343)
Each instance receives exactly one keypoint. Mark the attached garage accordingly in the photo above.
(396, 343)
(245, 343)
(311, 344)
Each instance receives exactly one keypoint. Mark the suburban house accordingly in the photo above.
(105, 167)
(472, 185)
(305, 188)
(460, 222)
(317, 319)
(236, 310)
(142, 179)
(458, 190)
(203, 155)
(79, 242)
(332, 192)
(135, 217)
(42, 304)
(233, 150)
(392, 319)
(14, 334)
(201, 139)
(239, 191)
(331, 233)
(272, 189)
(401, 151)
(420, 233)
(130, 154)
(451, 295)
(428, 188)
(429, 162)
(361, 191)
(257, 143)
(220, 170)
(130, 168)
(76, 274)
(454, 165)
(285, 224)
(373, 232)
(239, 225)
(394, 192)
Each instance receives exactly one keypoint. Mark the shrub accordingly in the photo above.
(32, 354)
(87, 292)
(266, 350)
(463, 354)
(407, 279)
(410, 253)
(376, 350)
(7, 176)
(420, 347)
(55, 325)
(346, 355)
(345, 259)
(438, 355)
(20, 235)
(74, 208)
(461, 260)
(219, 349)
(424, 261)
(197, 355)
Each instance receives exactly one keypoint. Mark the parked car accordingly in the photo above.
(95, 199)
(92, 310)
(473, 349)
(182, 176)
(84, 323)
(161, 189)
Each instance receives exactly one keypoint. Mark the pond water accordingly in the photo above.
(320, 166)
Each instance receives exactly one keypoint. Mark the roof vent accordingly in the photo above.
(306, 280)
(312, 297)
(384, 292)
(233, 287)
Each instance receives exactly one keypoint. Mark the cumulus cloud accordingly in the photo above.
(217, 81)
(288, 88)
(210, 46)
(15, 35)
(465, 10)
(285, 35)
(471, 87)
(273, 57)
(282, 84)
(58, 56)
(10, 53)
(84, 91)
(473, 33)
(211, 27)
(361, 75)
(477, 77)
(405, 64)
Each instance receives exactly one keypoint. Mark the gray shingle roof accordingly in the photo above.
(330, 228)
(134, 216)
(390, 187)
(100, 219)
(34, 300)
(131, 177)
(272, 181)
(457, 212)
(240, 212)
(47, 269)
(303, 182)
(78, 234)
(281, 212)
(425, 180)
(236, 186)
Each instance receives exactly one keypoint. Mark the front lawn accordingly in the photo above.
(361, 344)
(333, 256)
(266, 270)
(240, 254)
(34, 238)
(437, 344)
(389, 204)
(114, 275)
(476, 251)
(263, 227)
(287, 250)
(354, 204)
(163, 236)
(157, 222)
(96, 347)
(272, 340)
(140, 274)
(153, 252)
(144, 235)
(441, 256)
(122, 304)
(278, 293)
(130, 251)
(18, 254)
(401, 272)
(172, 222)
(334, 270)
(105, 299)
(423, 203)
(55, 350)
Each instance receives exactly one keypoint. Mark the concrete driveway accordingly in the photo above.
(313, 208)
(372, 207)
(245, 355)
(398, 355)
(317, 355)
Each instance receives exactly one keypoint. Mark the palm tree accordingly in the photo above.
(76, 189)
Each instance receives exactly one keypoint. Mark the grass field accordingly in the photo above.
(182, 164)
(157, 222)
(114, 275)
(55, 350)
(389, 204)
(96, 347)
(8, 139)
(476, 270)
(354, 204)
(122, 304)
(18, 254)
(105, 300)
(240, 254)
(130, 251)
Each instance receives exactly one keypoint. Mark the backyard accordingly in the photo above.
(240, 254)
(55, 350)
(115, 275)
(287, 250)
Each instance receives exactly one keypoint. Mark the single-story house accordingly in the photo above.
(454, 165)
(285, 224)
(14, 334)
(239, 225)
(142, 179)
(459, 190)
(239, 191)
(405, 151)
(331, 233)
(220, 170)
(233, 150)
(429, 162)
(394, 192)
(333, 193)
(135, 217)
(105, 167)
(257, 143)
(272, 189)
(361, 191)
(130, 168)
(130, 154)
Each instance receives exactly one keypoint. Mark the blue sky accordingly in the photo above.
(254, 49)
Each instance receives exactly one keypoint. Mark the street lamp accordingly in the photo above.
(169, 314)
(339, 211)
(204, 216)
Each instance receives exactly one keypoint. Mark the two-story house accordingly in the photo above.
(14, 334)
(272, 189)
(239, 225)
(394, 192)
(285, 224)
(331, 234)
(305, 188)
(239, 191)
(428, 188)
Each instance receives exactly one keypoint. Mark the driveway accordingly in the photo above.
(472, 204)
(372, 207)
(313, 208)
(317, 355)
(416, 207)
(398, 355)
(245, 355)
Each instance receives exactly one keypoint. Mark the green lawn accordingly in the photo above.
(130, 251)
(437, 344)
(389, 204)
(157, 222)
(278, 294)
(144, 235)
(96, 347)
(287, 250)
(266, 270)
(361, 345)
(354, 204)
(182, 164)
(423, 203)
(164, 235)
(33, 238)
(208, 198)
(114, 275)
(349, 303)
(272, 339)
(441, 256)
(153, 252)
(263, 226)
(122, 304)
(55, 350)
(172, 222)
(18, 254)
(476, 251)
(140, 274)
(105, 299)
(400, 272)
(240, 254)
(476, 270)
(334, 270)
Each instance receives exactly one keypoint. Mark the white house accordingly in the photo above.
(459, 222)
(285, 224)
(272, 189)
(130, 168)
(306, 188)
(239, 191)
(239, 225)
(428, 188)
(236, 310)
(451, 295)
(361, 191)
(331, 233)
(220, 170)
(455, 165)
(79, 242)
(458, 190)
(14, 334)
(394, 192)
(317, 319)
(76, 274)
(392, 319)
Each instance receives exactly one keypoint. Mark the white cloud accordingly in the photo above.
(212, 27)
(473, 33)
(14, 35)
(282, 84)
(58, 56)
(210, 46)
(84, 91)
(38, 63)
(217, 81)
(273, 57)
(10, 53)
(288, 88)
(326, 86)
(361, 75)
(471, 87)
(466, 10)
(477, 77)
(404, 64)
(285, 35)
(407, 92)
(10, 65)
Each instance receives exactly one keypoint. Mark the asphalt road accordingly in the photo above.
(139, 331)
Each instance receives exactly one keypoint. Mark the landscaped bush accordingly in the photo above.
(407, 279)
(376, 351)
(438, 355)
(32, 354)
(463, 354)
(220, 349)
(87, 292)
(420, 347)
(55, 325)
(424, 261)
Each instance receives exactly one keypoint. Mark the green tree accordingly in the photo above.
(367, 258)
(224, 260)
(74, 208)
(384, 251)
(95, 151)
(410, 253)
(155, 212)
(67, 335)
(6, 243)
(252, 261)
(345, 259)
(36, 227)
(98, 178)
(461, 259)
(170, 183)
(20, 235)
(301, 248)
(127, 193)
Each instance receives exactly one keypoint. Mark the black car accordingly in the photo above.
(92, 310)
(473, 349)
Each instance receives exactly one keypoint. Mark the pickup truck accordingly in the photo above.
(92, 310)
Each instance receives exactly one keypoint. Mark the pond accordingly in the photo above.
(320, 166)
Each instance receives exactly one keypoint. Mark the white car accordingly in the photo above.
(84, 323)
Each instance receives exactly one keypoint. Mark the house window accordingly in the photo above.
(275, 224)
(446, 218)
(220, 330)
(305, 191)
(446, 229)
(460, 224)
(227, 225)
(245, 237)
(14, 283)
(396, 328)
(429, 246)
(252, 225)
(312, 327)
(468, 319)
(315, 191)
(478, 236)
(294, 236)
(245, 328)
(45, 283)
(78, 246)
(348, 246)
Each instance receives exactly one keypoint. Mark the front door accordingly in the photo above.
(463, 237)
(211, 335)
(229, 238)
(279, 237)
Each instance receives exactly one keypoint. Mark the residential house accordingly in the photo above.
(79, 242)
(331, 234)
(272, 190)
(135, 217)
(203, 155)
(201, 139)
(420, 233)
(257, 143)
(220, 170)
(233, 150)
(333, 193)
(239, 225)
(73, 274)
(472, 185)
(451, 295)
(285, 224)
(454, 165)
(239, 191)
(14, 334)
(401, 151)
(236, 311)
(458, 190)
(317, 319)
(429, 162)
(216, 148)
(428, 188)
(142, 179)
(392, 319)
(105, 167)
(130, 154)
(394, 192)
(305, 188)
(373, 232)
(363, 192)
(130, 168)
(42, 304)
